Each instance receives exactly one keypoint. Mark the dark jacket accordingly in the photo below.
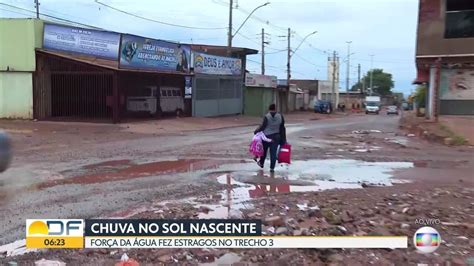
(278, 137)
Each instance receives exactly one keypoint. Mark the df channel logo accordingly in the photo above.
(426, 239)
(54, 233)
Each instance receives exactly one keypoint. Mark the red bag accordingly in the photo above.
(284, 156)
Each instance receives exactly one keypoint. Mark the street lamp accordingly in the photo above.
(304, 39)
(230, 36)
(371, 69)
(348, 64)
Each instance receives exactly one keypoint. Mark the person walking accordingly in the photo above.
(273, 126)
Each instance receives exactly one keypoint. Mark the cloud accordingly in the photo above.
(384, 28)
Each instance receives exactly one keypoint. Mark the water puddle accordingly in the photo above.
(402, 141)
(234, 199)
(126, 169)
(342, 171)
(243, 183)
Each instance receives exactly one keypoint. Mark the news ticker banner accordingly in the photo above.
(212, 233)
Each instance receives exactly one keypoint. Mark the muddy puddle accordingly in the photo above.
(242, 183)
(125, 169)
(340, 171)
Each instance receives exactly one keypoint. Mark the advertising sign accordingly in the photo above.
(457, 84)
(188, 87)
(142, 53)
(216, 65)
(256, 80)
(82, 41)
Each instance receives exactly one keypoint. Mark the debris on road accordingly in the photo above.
(44, 262)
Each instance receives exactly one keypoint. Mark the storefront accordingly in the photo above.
(217, 86)
(114, 77)
(260, 92)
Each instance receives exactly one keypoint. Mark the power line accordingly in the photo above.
(258, 43)
(266, 65)
(14, 12)
(276, 52)
(253, 17)
(156, 21)
(50, 16)
(383, 61)
(307, 61)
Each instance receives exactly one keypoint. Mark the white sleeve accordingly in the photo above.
(265, 138)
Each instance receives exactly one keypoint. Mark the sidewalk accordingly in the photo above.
(460, 125)
(177, 125)
(449, 130)
(29, 136)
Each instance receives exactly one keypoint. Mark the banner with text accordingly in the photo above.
(188, 233)
(216, 65)
(256, 80)
(142, 53)
(82, 41)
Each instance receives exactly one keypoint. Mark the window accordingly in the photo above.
(459, 19)
(163, 93)
(175, 93)
(169, 93)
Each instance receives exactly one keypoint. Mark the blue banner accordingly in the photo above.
(142, 53)
(82, 41)
(216, 65)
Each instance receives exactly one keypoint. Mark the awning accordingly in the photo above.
(422, 75)
(104, 63)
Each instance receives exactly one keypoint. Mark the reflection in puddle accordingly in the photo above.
(338, 171)
(243, 183)
(234, 199)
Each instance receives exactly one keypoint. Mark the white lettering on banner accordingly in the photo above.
(218, 65)
(385, 242)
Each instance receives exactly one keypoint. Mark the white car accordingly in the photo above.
(372, 107)
(392, 109)
(171, 100)
(146, 102)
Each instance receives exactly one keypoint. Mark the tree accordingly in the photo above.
(381, 81)
(420, 96)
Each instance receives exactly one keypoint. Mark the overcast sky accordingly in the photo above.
(385, 28)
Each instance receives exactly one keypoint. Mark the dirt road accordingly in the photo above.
(339, 164)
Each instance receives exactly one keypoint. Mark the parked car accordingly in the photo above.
(372, 107)
(143, 101)
(5, 151)
(405, 106)
(171, 100)
(323, 107)
(392, 109)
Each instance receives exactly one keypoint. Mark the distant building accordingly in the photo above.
(445, 56)
(351, 99)
(310, 87)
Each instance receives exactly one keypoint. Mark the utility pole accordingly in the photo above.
(229, 33)
(358, 77)
(348, 64)
(288, 71)
(333, 67)
(263, 51)
(371, 72)
(288, 74)
(37, 8)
